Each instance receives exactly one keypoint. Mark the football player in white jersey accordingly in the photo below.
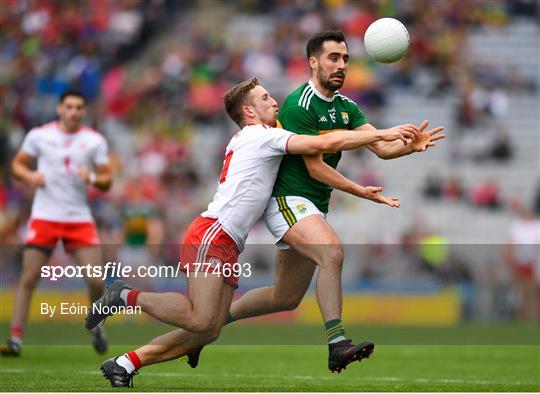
(213, 241)
(69, 156)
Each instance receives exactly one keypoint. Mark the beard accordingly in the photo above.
(71, 124)
(326, 83)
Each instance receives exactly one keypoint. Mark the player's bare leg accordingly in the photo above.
(316, 241)
(293, 276)
(313, 238)
(93, 256)
(178, 343)
(198, 313)
(120, 370)
(32, 261)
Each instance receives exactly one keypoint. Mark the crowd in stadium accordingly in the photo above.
(151, 109)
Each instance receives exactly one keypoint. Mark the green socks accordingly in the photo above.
(334, 331)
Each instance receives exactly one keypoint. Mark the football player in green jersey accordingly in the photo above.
(258, 147)
(296, 212)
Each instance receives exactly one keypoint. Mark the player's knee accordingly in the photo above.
(333, 257)
(290, 304)
(204, 325)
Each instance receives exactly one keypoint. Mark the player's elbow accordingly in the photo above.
(328, 144)
(316, 146)
(383, 155)
(379, 151)
(331, 147)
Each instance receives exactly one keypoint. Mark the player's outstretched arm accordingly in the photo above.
(347, 140)
(322, 172)
(419, 142)
(21, 167)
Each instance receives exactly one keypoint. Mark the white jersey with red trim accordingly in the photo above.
(251, 164)
(59, 155)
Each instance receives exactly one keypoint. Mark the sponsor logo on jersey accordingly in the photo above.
(345, 117)
(323, 119)
(301, 208)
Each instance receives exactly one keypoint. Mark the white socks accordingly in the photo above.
(124, 294)
(336, 340)
(125, 362)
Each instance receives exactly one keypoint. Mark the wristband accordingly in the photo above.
(92, 177)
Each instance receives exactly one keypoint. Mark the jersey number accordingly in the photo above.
(225, 169)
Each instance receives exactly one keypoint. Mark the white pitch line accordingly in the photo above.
(297, 377)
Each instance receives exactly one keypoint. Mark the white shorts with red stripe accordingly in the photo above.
(207, 249)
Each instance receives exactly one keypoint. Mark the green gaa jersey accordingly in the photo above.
(307, 111)
(137, 217)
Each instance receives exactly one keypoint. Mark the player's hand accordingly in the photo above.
(84, 174)
(373, 193)
(404, 132)
(425, 139)
(36, 179)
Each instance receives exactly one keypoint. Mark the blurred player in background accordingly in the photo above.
(217, 236)
(297, 210)
(142, 230)
(521, 253)
(69, 156)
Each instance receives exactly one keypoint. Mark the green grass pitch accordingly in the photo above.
(236, 367)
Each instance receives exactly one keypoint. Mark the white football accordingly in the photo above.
(386, 40)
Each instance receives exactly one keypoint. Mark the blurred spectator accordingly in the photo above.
(432, 187)
(467, 113)
(486, 194)
(491, 102)
(480, 104)
(501, 148)
(452, 188)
